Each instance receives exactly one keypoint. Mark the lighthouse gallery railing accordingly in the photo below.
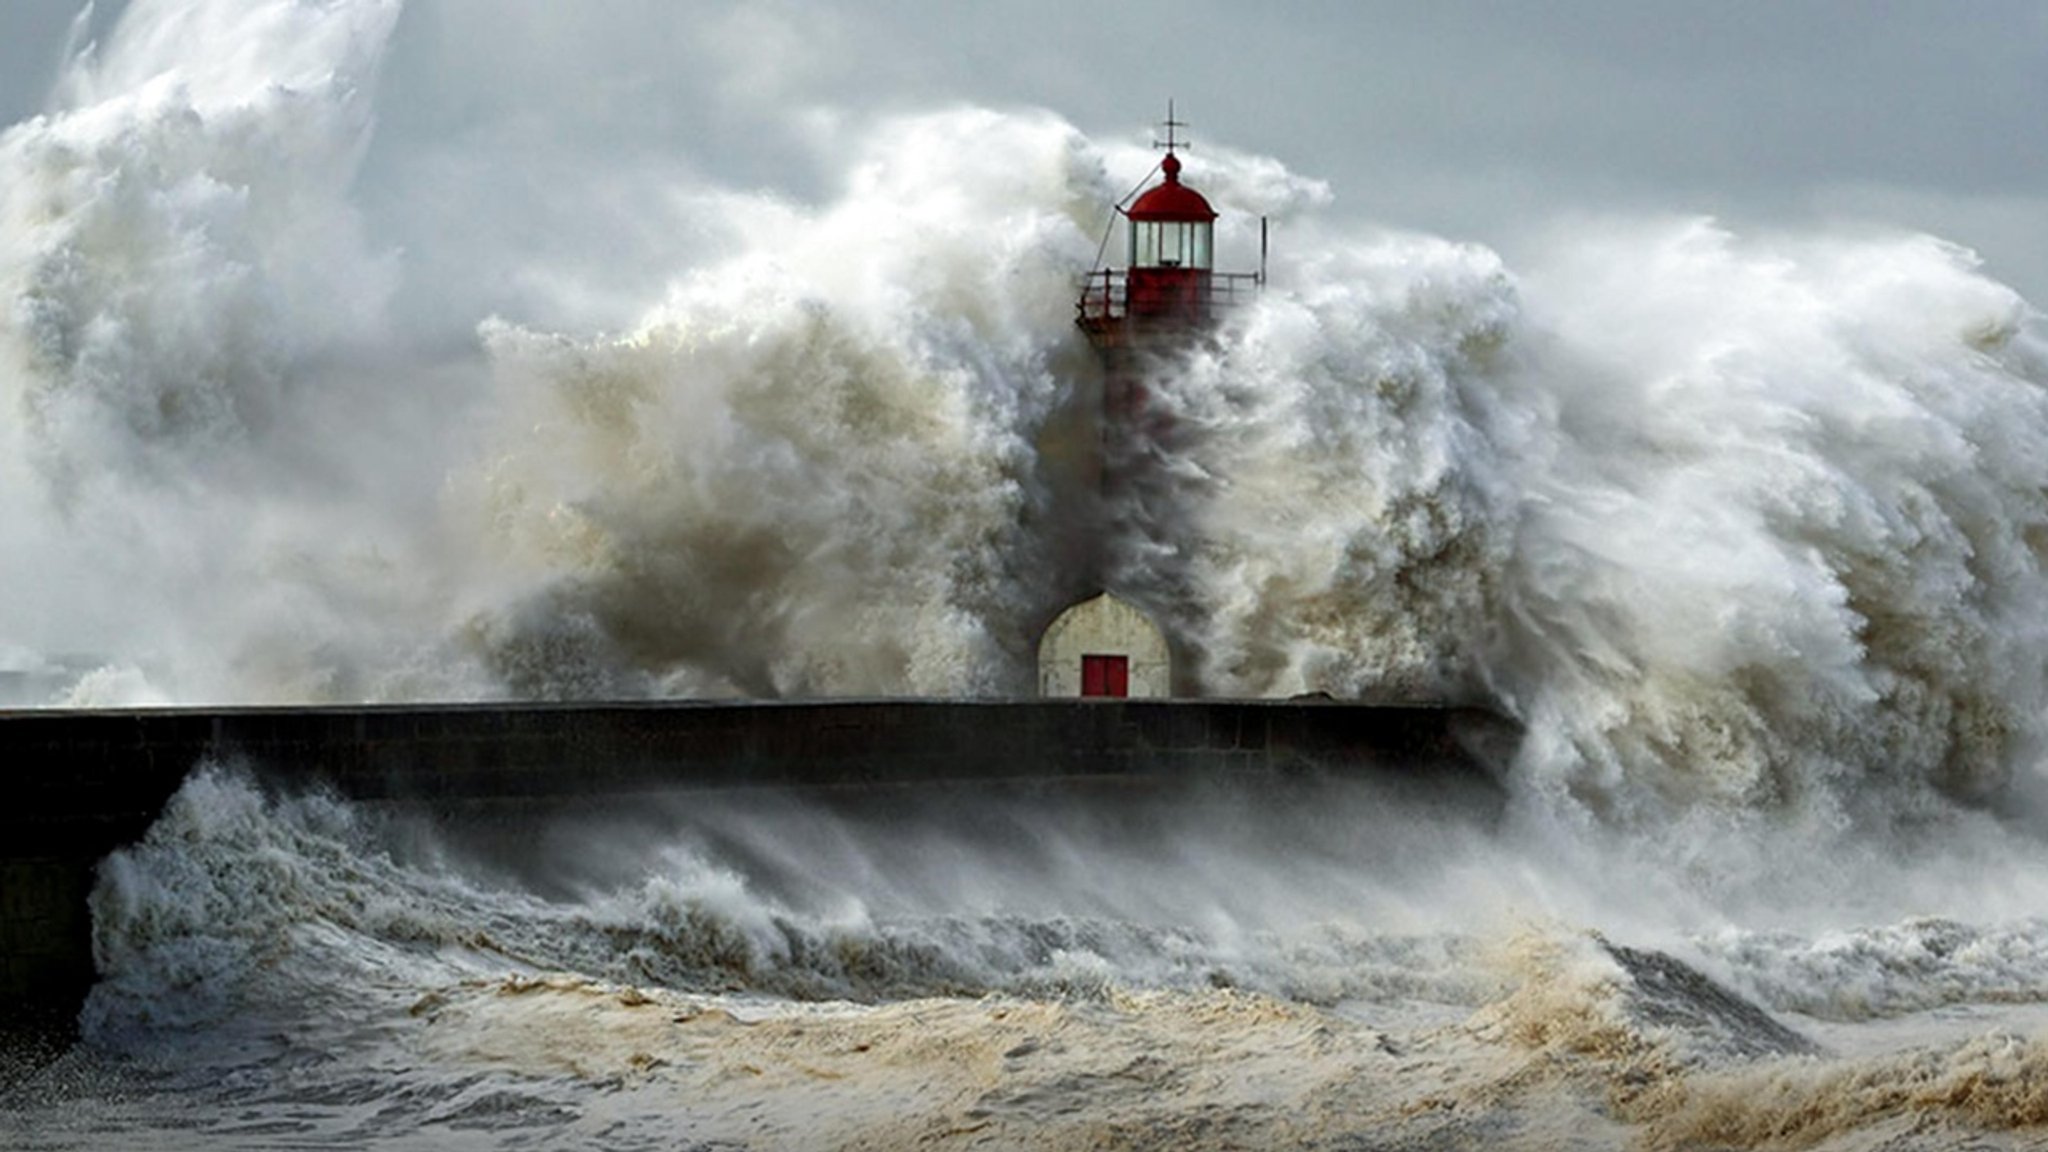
(1106, 297)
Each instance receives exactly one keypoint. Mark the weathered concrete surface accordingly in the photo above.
(85, 783)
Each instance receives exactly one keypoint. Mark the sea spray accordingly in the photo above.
(273, 958)
(247, 899)
(1744, 530)
(814, 469)
(1330, 515)
(180, 247)
(191, 302)
(1779, 551)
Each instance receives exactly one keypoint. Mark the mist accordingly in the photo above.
(325, 389)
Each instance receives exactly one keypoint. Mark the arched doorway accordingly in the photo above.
(1104, 647)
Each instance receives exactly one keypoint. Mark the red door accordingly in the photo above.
(1105, 676)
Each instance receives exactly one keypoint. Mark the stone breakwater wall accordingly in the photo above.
(84, 783)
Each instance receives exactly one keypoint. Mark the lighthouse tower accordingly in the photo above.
(1165, 300)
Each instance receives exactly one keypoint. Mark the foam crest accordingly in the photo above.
(814, 469)
(191, 301)
(244, 901)
(1891, 970)
(1778, 541)
(231, 899)
(179, 240)
(1330, 518)
(1976, 1091)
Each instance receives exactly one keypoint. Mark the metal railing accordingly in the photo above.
(1106, 297)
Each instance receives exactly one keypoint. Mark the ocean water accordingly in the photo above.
(314, 396)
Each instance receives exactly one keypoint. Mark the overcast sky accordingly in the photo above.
(1479, 121)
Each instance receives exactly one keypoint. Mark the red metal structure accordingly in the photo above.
(1166, 296)
(1169, 288)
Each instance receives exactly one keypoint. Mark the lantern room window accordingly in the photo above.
(1172, 244)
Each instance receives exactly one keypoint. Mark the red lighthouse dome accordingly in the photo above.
(1171, 200)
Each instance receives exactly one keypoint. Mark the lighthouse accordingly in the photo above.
(1165, 300)
(1166, 297)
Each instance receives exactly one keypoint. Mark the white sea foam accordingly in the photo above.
(240, 898)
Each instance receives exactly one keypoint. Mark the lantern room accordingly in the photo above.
(1172, 238)
(1172, 226)
(1168, 287)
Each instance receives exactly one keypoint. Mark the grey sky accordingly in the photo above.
(1479, 121)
